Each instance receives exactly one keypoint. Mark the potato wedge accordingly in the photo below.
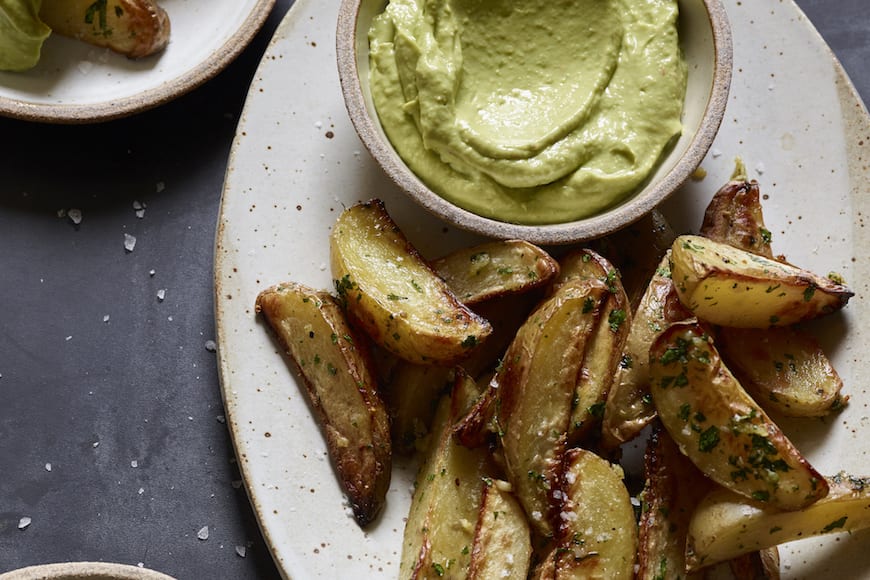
(535, 388)
(598, 535)
(134, 28)
(726, 525)
(727, 286)
(734, 217)
(784, 370)
(673, 488)
(604, 350)
(335, 367)
(440, 527)
(720, 428)
(393, 294)
(502, 540)
(629, 407)
(496, 268)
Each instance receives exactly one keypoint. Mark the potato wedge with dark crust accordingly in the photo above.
(672, 490)
(394, 295)
(720, 428)
(726, 525)
(734, 217)
(535, 388)
(604, 350)
(783, 368)
(597, 536)
(496, 268)
(336, 369)
(629, 407)
(726, 286)
(134, 28)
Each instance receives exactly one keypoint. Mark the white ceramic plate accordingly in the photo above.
(84, 571)
(75, 82)
(793, 117)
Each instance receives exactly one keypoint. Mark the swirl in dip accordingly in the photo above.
(533, 112)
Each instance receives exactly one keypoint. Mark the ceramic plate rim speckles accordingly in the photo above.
(84, 571)
(78, 83)
(296, 162)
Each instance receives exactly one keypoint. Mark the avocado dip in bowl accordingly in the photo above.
(553, 121)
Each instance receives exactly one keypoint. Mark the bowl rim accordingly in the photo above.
(584, 229)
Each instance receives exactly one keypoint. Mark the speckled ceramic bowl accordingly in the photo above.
(706, 42)
(84, 571)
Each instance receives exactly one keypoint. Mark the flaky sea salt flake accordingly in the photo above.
(74, 215)
(161, 294)
(210, 346)
(24, 522)
(129, 242)
(202, 534)
(48, 466)
(241, 551)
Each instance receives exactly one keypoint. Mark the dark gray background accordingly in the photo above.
(90, 397)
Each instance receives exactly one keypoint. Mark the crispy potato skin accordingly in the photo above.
(734, 217)
(336, 369)
(720, 428)
(727, 286)
(135, 28)
(393, 294)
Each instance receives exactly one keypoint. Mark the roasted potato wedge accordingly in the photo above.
(496, 268)
(134, 28)
(394, 295)
(734, 216)
(784, 370)
(727, 286)
(462, 521)
(598, 535)
(335, 366)
(726, 525)
(673, 488)
(535, 389)
(720, 428)
(604, 350)
(629, 407)
(502, 540)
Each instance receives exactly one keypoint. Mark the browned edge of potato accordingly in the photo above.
(134, 28)
(393, 294)
(335, 366)
(721, 428)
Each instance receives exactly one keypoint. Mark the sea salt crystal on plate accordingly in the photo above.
(210, 346)
(129, 242)
(202, 534)
(24, 522)
(241, 551)
(161, 294)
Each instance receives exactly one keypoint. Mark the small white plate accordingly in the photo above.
(794, 118)
(76, 82)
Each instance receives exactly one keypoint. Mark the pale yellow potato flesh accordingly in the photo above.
(502, 540)
(134, 28)
(598, 536)
(726, 286)
(535, 388)
(338, 375)
(496, 268)
(721, 428)
(726, 525)
(394, 295)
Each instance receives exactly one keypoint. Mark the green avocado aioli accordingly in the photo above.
(532, 112)
(21, 34)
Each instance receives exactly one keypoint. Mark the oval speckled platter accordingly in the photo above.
(296, 162)
(84, 571)
(75, 82)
